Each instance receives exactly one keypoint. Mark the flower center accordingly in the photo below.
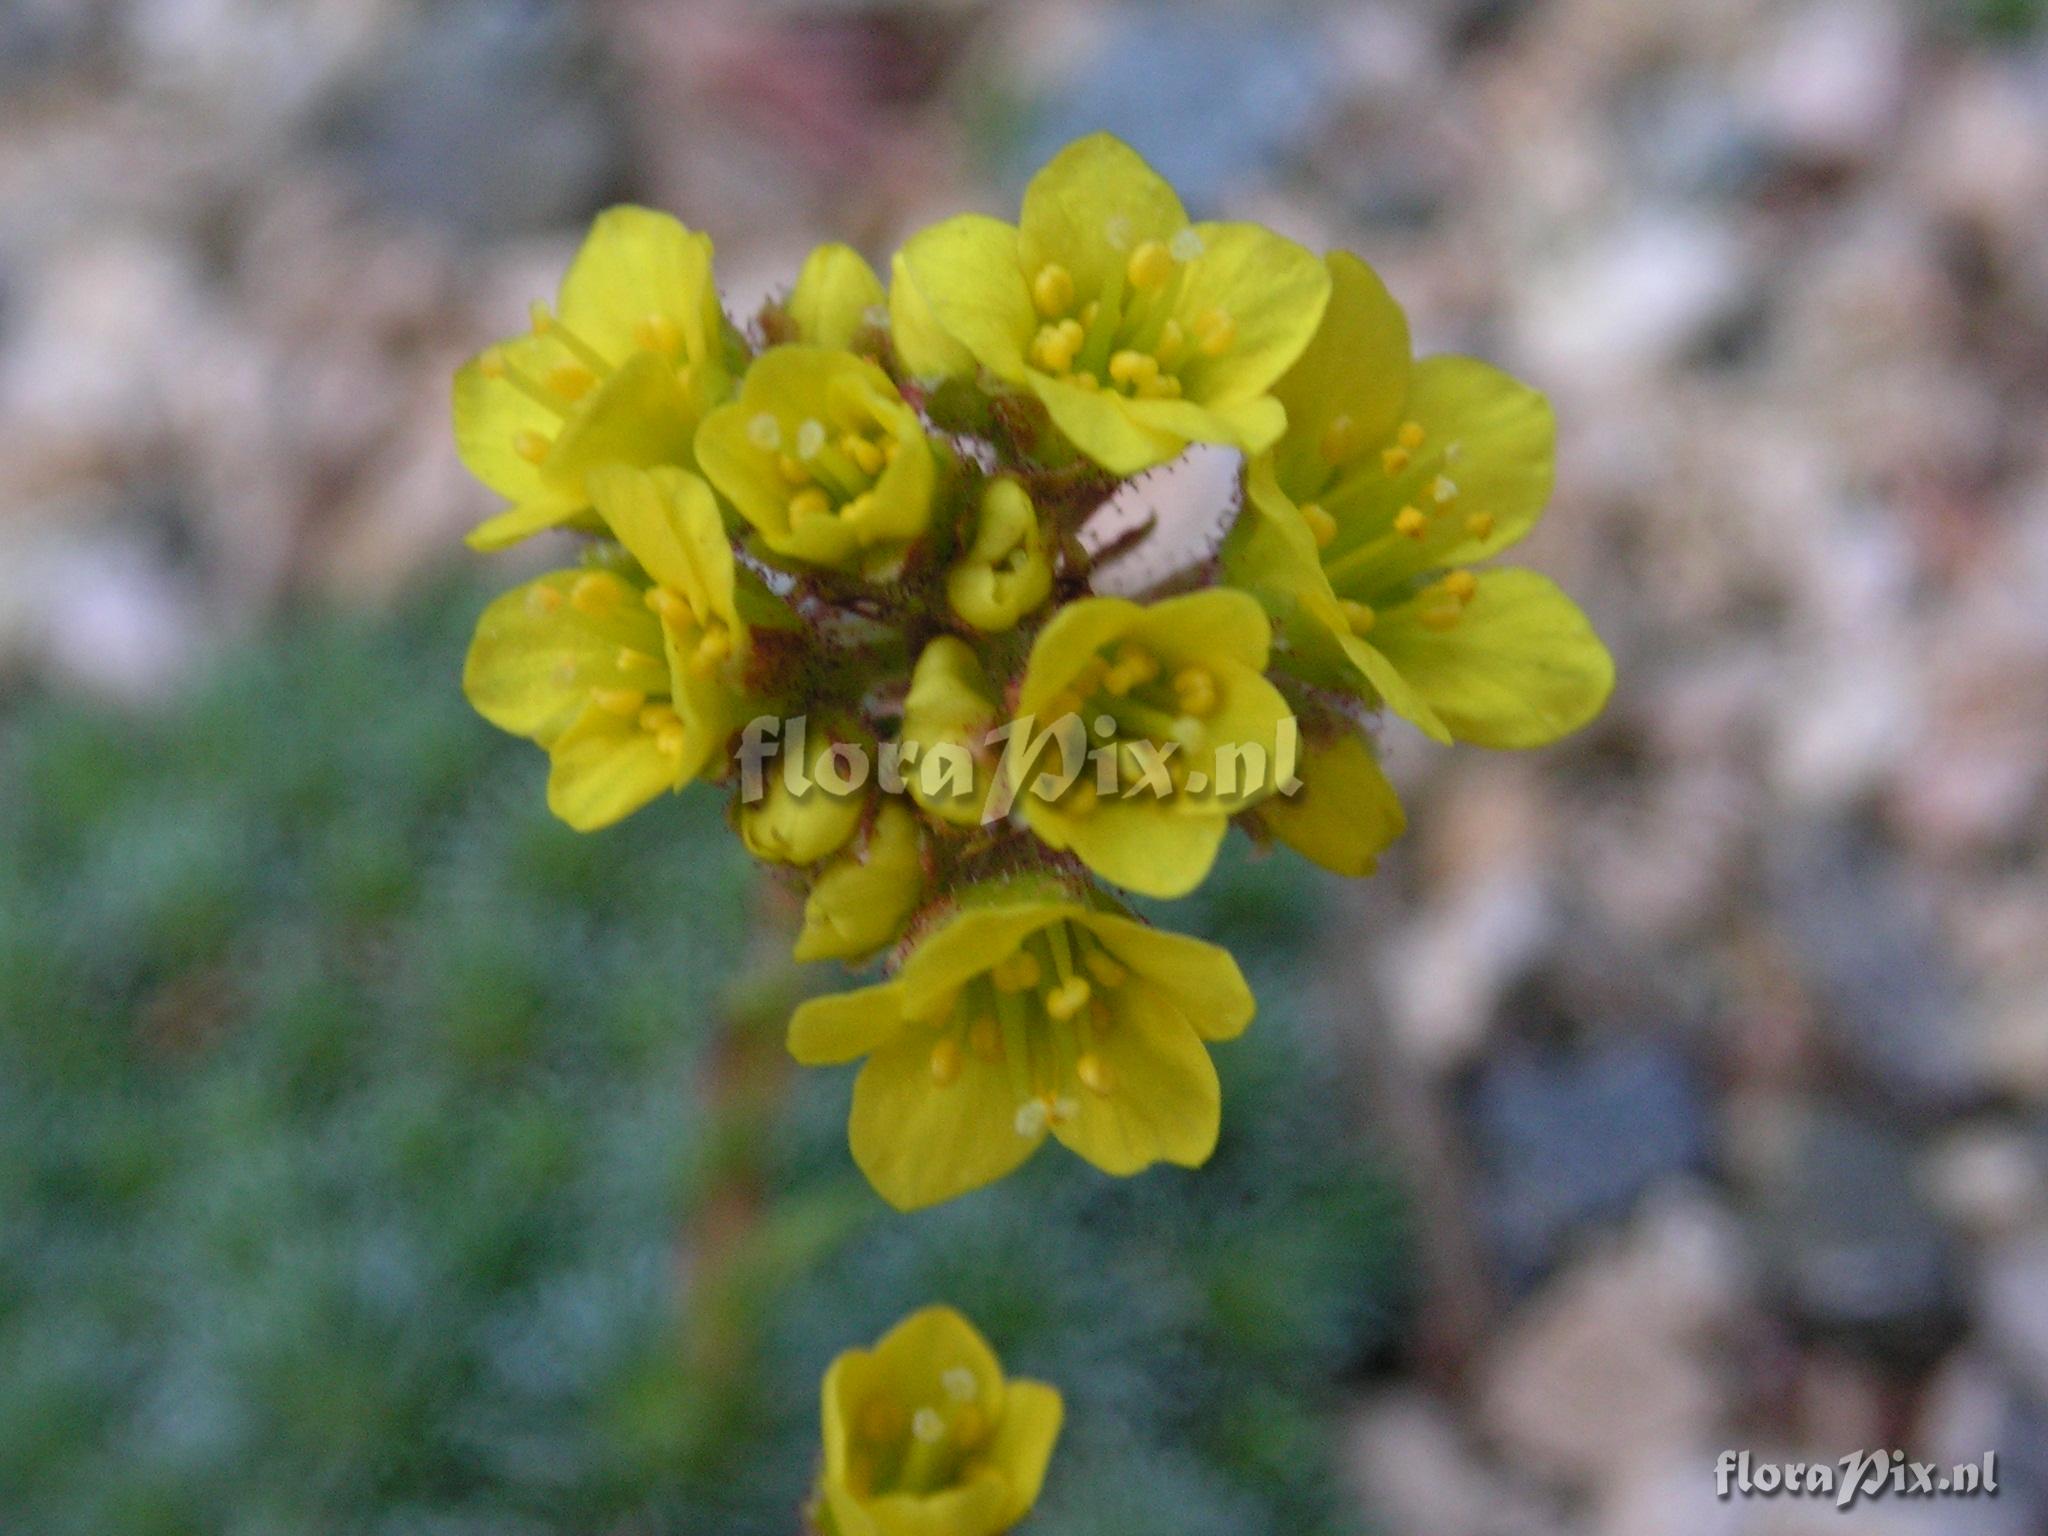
(636, 686)
(1136, 337)
(563, 383)
(827, 476)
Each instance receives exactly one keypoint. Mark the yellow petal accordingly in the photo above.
(638, 262)
(1089, 207)
(605, 768)
(1201, 980)
(1023, 1444)
(844, 1025)
(926, 352)
(1345, 813)
(965, 270)
(535, 658)
(1152, 846)
(1350, 386)
(1165, 1105)
(1274, 292)
(668, 521)
(920, 1143)
(834, 295)
(1521, 667)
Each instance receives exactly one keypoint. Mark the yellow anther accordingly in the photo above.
(1215, 332)
(1411, 522)
(1068, 998)
(1194, 689)
(1321, 524)
(1341, 439)
(1160, 387)
(1103, 966)
(1134, 667)
(660, 717)
(860, 509)
(881, 1420)
(594, 594)
(531, 446)
(946, 1061)
(1086, 381)
(811, 502)
(1359, 616)
(618, 701)
(1095, 1073)
(1172, 342)
(1441, 489)
(1461, 585)
(862, 452)
(657, 333)
(1052, 290)
(1150, 265)
(1410, 434)
(1055, 346)
(492, 364)
(542, 600)
(985, 1039)
(572, 381)
(668, 603)
(631, 660)
(1393, 460)
(1439, 616)
(713, 646)
(670, 740)
(1088, 313)
(1480, 525)
(1136, 368)
(791, 470)
(1017, 971)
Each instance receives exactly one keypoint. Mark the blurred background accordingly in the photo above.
(376, 1155)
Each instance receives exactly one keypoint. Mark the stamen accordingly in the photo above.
(1411, 522)
(1410, 434)
(1461, 585)
(1030, 1119)
(543, 600)
(1067, 999)
(946, 1062)
(656, 718)
(630, 660)
(1439, 616)
(1172, 342)
(1194, 688)
(1017, 971)
(670, 604)
(655, 332)
(618, 701)
(532, 446)
(1104, 967)
(1480, 525)
(1135, 666)
(1321, 524)
(1149, 267)
(713, 646)
(927, 1426)
(985, 1039)
(810, 437)
(791, 470)
(1215, 332)
(1359, 616)
(809, 503)
(1340, 439)
(669, 740)
(572, 381)
(1441, 489)
(862, 452)
(594, 594)
(495, 365)
(1094, 1073)
(1052, 290)
(1393, 460)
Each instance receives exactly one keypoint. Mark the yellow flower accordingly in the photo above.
(837, 296)
(1345, 813)
(812, 820)
(1004, 573)
(1363, 525)
(925, 1437)
(824, 458)
(1028, 1013)
(1174, 692)
(619, 372)
(1140, 331)
(632, 684)
(947, 715)
(861, 899)
(926, 352)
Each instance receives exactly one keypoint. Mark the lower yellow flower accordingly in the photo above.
(925, 1437)
(1175, 692)
(629, 678)
(1028, 1013)
(825, 459)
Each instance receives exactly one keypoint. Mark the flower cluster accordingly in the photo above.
(836, 559)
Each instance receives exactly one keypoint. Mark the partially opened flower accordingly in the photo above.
(1140, 331)
(632, 680)
(837, 296)
(1364, 524)
(925, 1437)
(1029, 1012)
(1004, 572)
(619, 372)
(1175, 691)
(826, 461)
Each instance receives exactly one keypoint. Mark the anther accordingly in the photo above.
(631, 660)
(657, 333)
(572, 381)
(531, 446)
(1461, 585)
(791, 470)
(542, 600)
(669, 604)
(946, 1062)
(1480, 525)
(1410, 434)
(1133, 368)
(1067, 999)
(1052, 290)
(669, 740)
(862, 452)
(985, 1039)
(1135, 666)
(764, 431)
(811, 502)
(1150, 265)
(1439, 616)
(1172, 342)
(618, 701)
(1104, 967)
(1393, 460)
(1359, 616)
(1340, 439)
(1321, 524)
(1215, 332)
(1017, 971)
(1410, 522)
(1094, 1073)
(1194, 689)
(594, 594)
